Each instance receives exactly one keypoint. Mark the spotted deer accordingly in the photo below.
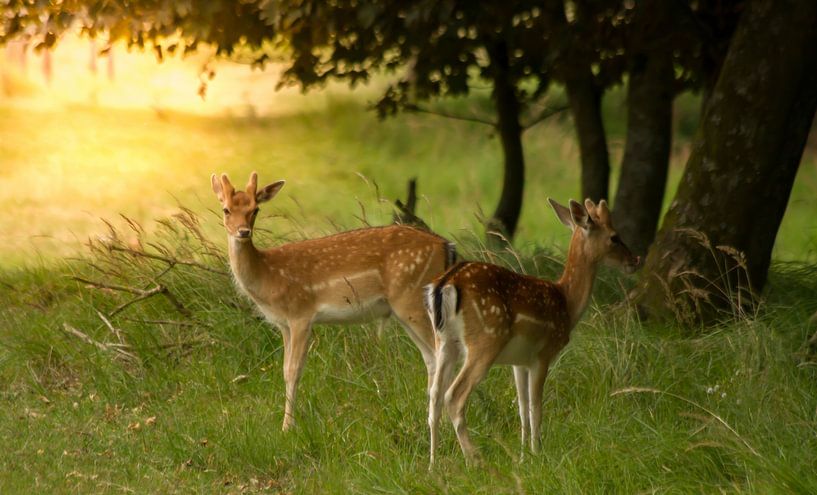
(351, 277)
(491, 315)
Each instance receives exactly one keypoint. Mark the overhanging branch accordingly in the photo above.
(546, 114)
(466, 118)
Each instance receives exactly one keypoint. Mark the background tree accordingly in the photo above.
(579, 42)
(651, 87)
(670, 47)
(515, 49)
(714, 247)
(662, 49)
(448, 47)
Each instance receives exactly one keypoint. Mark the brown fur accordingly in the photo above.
(354, 276)
(508, 318)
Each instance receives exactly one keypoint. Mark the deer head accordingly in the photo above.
(593, 228)
(241, 207)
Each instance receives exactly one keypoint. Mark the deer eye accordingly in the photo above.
(615, 239)
(226, 211)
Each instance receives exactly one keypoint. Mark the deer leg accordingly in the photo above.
(473, 371)
(286, 337)
(381, 328)
(538, 373)
(295, 348)
(413, 316)
(447, 355)
(520, 375)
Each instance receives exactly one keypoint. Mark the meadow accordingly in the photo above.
(181, 392)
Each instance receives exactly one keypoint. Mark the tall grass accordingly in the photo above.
(629, 407)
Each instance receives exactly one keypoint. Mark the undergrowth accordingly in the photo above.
(138, 368)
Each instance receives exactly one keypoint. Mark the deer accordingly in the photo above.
(357, 276)
(491, 315)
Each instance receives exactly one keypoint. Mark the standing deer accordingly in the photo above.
(492, 315)
(351, 277)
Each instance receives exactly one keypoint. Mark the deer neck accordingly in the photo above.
(577, 279)
(246, 263)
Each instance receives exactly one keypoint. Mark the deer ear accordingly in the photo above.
(580, 216)
(269, 191)
(562, 212)
(216, 187)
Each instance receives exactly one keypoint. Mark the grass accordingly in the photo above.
(730, 410)
(629, 407)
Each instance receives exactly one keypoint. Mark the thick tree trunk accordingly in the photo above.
(710, 78)
(585, 106)
(714, 248)
(646, 155)
(506, 216)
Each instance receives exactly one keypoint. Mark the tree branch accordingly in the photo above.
(546, 114)
(100, 285)
(118, 349)
(164, 322)
(141, 294)
(466, 118)
(110, 326)
(169, 261)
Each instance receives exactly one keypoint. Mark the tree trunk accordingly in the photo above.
(506, 216)
(585, 106)
(714, 248)
(646, 154)
(584, 97)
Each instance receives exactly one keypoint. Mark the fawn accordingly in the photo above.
(355, 276)
(491, 315)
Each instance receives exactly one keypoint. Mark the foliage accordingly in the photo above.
(440, 49)
(446, 43)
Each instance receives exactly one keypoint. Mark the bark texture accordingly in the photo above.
(714, 248)
(640, 194)
(585, 106)
(506, 215)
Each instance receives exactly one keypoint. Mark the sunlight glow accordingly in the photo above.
(79, 74)
(128, 135)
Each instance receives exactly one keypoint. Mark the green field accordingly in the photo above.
(197, 407)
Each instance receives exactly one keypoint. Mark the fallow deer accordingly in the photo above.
(355, 276)
(491, 315)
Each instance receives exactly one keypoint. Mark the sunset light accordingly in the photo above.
(97, 132)
(77, 71)
(470, 247)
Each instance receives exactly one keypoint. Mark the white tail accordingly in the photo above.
(354, 276)
(491, 315)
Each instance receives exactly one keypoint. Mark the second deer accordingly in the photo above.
(491, 315)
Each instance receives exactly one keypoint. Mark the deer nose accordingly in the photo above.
(244, 232)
